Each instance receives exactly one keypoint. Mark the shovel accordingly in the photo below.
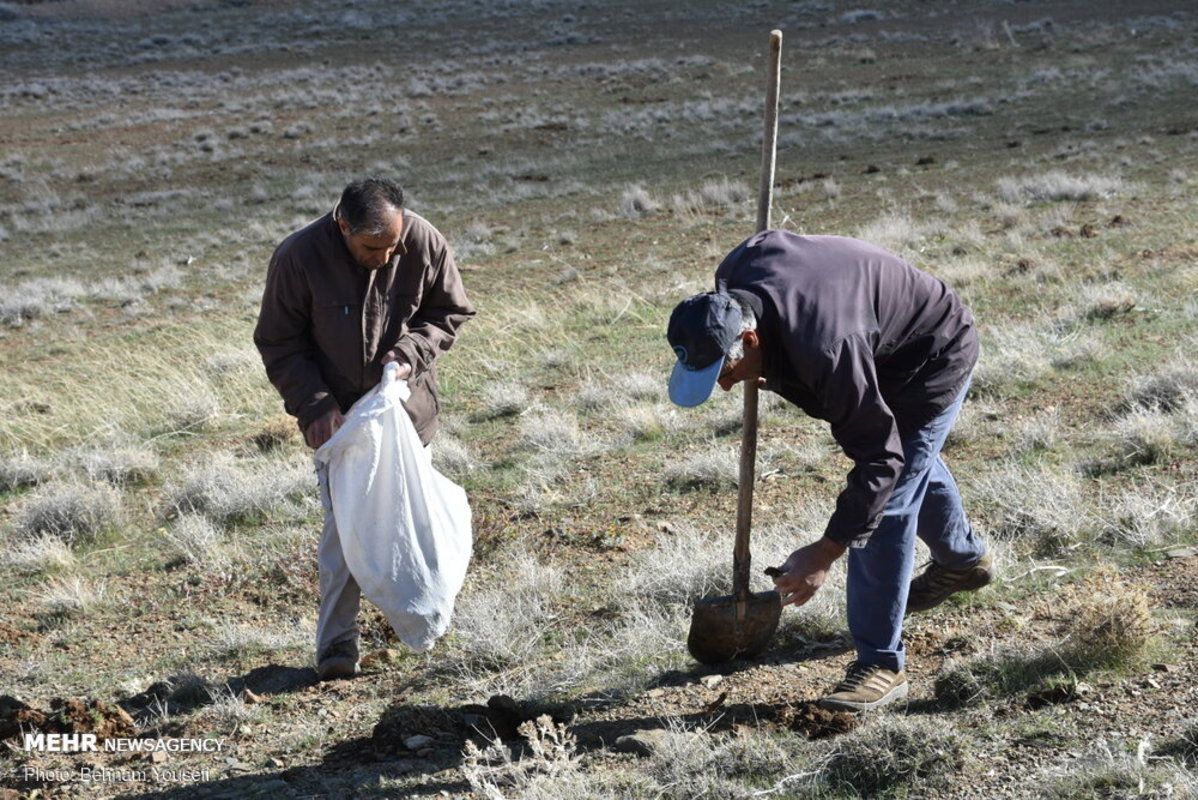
(742, 624)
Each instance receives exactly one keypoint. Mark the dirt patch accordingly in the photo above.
(121, 9)
(815, 722)
(10, 634)
(65, 715)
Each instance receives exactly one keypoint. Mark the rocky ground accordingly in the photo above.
(776, 692)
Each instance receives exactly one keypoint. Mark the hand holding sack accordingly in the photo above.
(405, 528)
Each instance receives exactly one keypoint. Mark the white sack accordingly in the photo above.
(404, 527)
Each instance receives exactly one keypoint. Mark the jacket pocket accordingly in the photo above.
(337, 328)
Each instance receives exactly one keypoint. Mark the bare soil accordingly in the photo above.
(346, 743)
(775, 692)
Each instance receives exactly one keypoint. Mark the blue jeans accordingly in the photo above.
(927, 504)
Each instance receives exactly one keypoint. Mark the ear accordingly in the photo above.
(750, 339)
(342, 225)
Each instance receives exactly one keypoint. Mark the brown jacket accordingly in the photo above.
(326, 323)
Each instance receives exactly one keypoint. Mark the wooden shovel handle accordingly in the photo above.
(741, 558)
(769, 143)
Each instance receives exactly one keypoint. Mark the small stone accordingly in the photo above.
(711, 681)
(642, 743)
(1182, 552)
(417, 742)
(380, 658)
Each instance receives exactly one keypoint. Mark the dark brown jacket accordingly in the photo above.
(858, 337)
(327, 323)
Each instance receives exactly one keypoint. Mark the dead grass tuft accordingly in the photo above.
(1107, 625)
(195, 538)
(711, 471)
(20, 470)
(120, 466)
(75, 512)
(275, 433)
(1110, 624)
(890, 753)
(70, 595)
(1167, 390)
(40, 554)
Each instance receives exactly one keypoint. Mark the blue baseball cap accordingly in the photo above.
(701, 330)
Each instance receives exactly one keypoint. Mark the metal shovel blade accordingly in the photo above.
(724, 628)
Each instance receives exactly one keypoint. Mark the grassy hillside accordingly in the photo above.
(591, 163)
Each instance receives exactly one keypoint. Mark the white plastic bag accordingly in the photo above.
(404, 527)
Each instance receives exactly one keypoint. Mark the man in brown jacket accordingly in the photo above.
(365, 285)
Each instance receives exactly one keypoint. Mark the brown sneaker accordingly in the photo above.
(935, 584)
(866, 686)
(339, 660)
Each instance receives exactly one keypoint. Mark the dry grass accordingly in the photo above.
(589, 179)
(77, 513)
(890, 754)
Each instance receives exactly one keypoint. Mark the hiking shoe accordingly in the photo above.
(866, 686)
(934, 585)
(339, 660)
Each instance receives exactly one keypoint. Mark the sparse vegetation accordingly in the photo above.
(591, 165)
(890, 754)
(76, 512)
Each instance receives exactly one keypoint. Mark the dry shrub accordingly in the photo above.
(76, 513)
(275, 433)
(1167, 390)
(1038, 507)
(507, 399)
(229, 491)
(637, 202)
(890, 753)
(1110, 623)
(1111, 770)
(549, 765)
(20, 470)
(1005, 672)
(709, 470)
(40, 554)
(69, 595)
(1147, 514)
(1146, 436)
(120, 466)
(195, 538)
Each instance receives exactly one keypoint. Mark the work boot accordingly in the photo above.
(934, 585)
(865, 687)
(339, 660)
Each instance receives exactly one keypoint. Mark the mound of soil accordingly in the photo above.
(816, 723)
(65, 715)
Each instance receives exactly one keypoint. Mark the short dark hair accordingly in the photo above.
(364, 204)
